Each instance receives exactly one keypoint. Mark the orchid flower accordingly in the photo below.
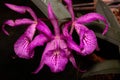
(22, 46)
(88, 40)
(56, 53)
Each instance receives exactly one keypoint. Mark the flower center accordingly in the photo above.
(72, 28)
(56, 52)
(35, 22)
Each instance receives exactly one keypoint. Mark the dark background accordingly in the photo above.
(14, 68)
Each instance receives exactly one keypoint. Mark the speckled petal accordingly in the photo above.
(56, 60)
(54, 56)
(21, 9)
(88, 40)
(21, 45)
(90, 17)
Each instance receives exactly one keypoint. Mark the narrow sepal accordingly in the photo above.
(15, 23)
(42, 27)
(53, 19)
(21, 9)
(90, 17)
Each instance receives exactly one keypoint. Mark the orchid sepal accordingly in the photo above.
(21, 9)
(72, 60)
(42, 27)
(70, 8)
(53, 20)
(15, 23)
(90, 17)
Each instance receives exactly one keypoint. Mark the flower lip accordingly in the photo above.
(56, 52)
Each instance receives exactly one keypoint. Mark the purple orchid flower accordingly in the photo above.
(88, 40)
(22, 46)
(56, 53)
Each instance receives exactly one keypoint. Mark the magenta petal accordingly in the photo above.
(16, 8)
(42, 27)
(88, 40)
(15, 23)
(53, 19)
(68, 2)
(70, 8)
(56, 60)
(90, 17)
(65, 29)
(70, 43)
(72, 60)
(21, 48)
(54, 56)
(51, 16)
(23, 21)
(21, 9)
(21, 45)
(39, 40)
(81, 29)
